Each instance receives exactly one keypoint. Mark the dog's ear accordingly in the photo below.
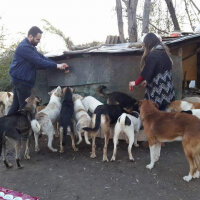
(64, 90)
(140, 103)
(27, 99)
(72, 89)
(8, 94)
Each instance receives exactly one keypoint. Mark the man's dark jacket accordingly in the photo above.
(25, 61)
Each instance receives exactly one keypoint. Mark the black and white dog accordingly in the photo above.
(17, 126)
(129, 124)
(127, 102)
(65, 120)
(104, 117)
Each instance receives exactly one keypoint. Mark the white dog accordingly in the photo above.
(47, 117)
(82, 118)
(6, 99)
(90, 103)
(127, 124)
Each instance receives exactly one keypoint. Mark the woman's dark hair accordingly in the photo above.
(34, 31)
(150, 42)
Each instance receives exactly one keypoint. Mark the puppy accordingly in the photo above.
(104, 117)
(127, 102)
(90, 103)
(65, 122)
(179, 105)
(16, 126)
(166, 127)
(128, 124)
(6, 99)
(47, 117)
(82, 118)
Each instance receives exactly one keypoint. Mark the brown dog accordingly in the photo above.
(166, 127)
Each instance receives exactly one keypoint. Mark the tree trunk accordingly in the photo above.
(146, 12)
(132, 22)
(173, 14)
(120, 20)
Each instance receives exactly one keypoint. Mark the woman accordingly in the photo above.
(156, 70)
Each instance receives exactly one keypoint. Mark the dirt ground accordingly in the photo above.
(75, 176)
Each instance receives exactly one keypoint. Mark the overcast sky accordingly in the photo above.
(82, 20)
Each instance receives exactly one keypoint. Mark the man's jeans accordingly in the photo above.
(21, 93)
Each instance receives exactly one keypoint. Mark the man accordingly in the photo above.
(23, 68)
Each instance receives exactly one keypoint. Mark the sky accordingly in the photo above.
(82, 20)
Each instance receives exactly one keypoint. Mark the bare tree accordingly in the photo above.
(188, 14)
(173, 14)
(120, 20)
(146, 12)
(195, 6)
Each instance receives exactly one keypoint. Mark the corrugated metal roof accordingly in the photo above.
(124, 47)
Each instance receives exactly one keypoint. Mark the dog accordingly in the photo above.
(161, 126)
(127, 102)
(6, 99)
(195, 112)
(104, 117)
(65, 122)
(128, 124)
(47, 117)
(90, 103)
(82, 118)
(16, 126)
(179, 105)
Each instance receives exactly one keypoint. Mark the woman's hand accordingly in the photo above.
(144, 83)
(131, 85)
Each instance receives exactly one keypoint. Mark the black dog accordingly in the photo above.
(104, 116)
(65, 119)
(15, 127)
(127, 102)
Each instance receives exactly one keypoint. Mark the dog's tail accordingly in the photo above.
(35, 126)
(97, 123)
(100, 91)
(124, 120)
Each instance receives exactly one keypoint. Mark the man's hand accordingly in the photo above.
(131, 85)
(63, 66)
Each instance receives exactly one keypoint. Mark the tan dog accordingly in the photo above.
(6, 99)
(179, 105)
(167, 127)
(82, 118)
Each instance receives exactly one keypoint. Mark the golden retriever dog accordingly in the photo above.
(161, 126)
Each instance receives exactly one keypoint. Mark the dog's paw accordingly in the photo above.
(75, 149)
(79, 142)
(105, 159)
(8, 165)
(150, 166)
(136, 145)
(196, 174)
(27, 157)
(37, 149)
(54, 150)
(112, 159)
(131, 159)
(61, 151)
(93, 155)
(88, 142)
(187, 178)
